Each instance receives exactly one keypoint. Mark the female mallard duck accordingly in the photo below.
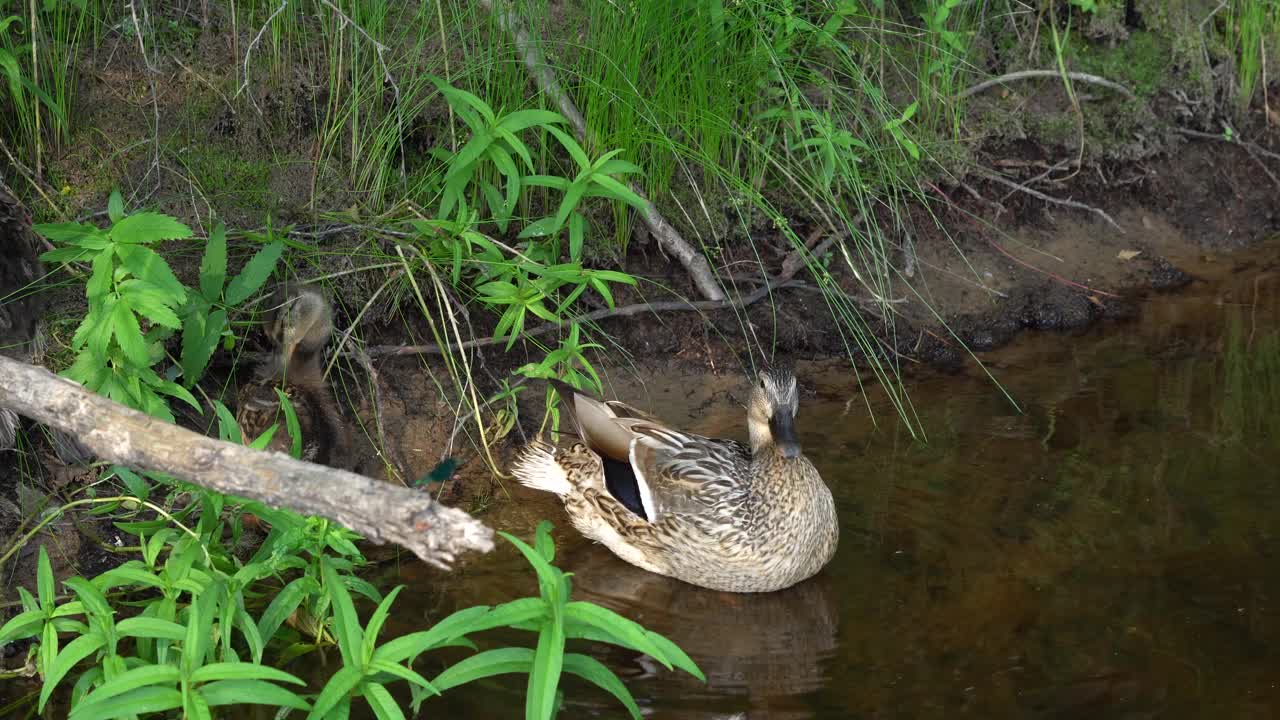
(298, 324)
(710, 512)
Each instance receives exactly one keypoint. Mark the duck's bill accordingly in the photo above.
(782, 426)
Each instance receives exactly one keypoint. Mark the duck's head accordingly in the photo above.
(299, 324)
(771, 413)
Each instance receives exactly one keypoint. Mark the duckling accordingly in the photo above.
(715, 513)
(299, 323)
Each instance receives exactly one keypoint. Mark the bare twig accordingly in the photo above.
(380, 511)
(1233, 139)
(155, 97)
(249, 52)
(997, 177)
(694, 262)
(1026, 74)
(624, 311)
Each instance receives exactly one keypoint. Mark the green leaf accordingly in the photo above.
(376, 621)
(75, 651)
(129, 335)
(148, 627)
(402, 672)
(23, 625)
(575, 150)
(152, 301)
(548, 660)
(199, 341)
(456, 625)
(228, 429)
(521, 119)
(291, 423)
(486, 664)
(213, 265)
(542, 541)
(140, 701)
(593, 671)
(127, 576)
(94, 601)
(255, 692)
(61, 255)
(140, 677)
(349, 633)
(115, 207)
(145, 264)
(619, 191)
(629, 634)
(242, 671)
(254, 274)
(677, 656)
(384, 707)
(68, 232)
(147, 227)
(44, 580)
(336, 690)
(577, 235)
(100, 279)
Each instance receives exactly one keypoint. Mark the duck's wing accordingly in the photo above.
(684, 473)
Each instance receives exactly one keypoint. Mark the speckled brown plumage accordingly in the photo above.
(710, 512)
(298, 323)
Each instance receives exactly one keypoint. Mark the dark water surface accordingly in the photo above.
(1111, 552)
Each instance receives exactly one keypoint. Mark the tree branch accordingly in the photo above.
(694, 262)
(379, 511)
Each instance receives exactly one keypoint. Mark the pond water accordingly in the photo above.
(1112, 551)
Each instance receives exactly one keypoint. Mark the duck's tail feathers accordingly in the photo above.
(536, 467)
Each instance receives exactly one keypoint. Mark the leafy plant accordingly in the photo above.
(130, 284)
(556, 619)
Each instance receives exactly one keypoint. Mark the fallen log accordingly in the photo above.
(379, 511)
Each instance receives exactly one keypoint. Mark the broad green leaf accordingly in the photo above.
(374, 626)
(482, 665)
(256, 692)
(228, 428)
(199, 341)
(456, 625)
(94, 601)
(384, 707)
(539, 228)
(127, 576)
(138, 702)
(577, 235)
(619, 191)
(675, 655)
(402, 672)
(593, 671)
(149, 627)
(195, 707)
(44, 580)
(100, 279)
(575, 150)
(349, 633)
(242, 671)
(75, 651)
(61, 255)
(629, 633)
(542, 541)
(151, 301)
(213, 264)
(521, 119)
(291, 424)
(68, 232)
(115, 207)
(548, 661)
(139, 677)
(254, 274)
(129, 335)
(177, 391)
(341, 683)
(550, 181)
(145, 264)
(147, 227)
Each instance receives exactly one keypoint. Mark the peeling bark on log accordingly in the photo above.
(379, 511)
